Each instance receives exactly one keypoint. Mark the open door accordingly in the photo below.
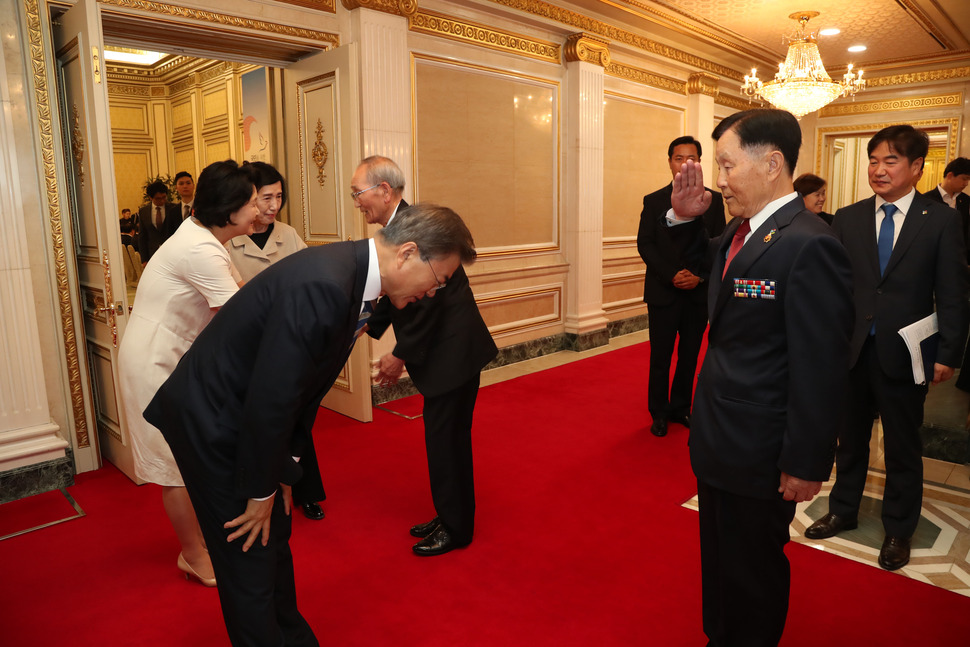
(86, 133)
(321, 131)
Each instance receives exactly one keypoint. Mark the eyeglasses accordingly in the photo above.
(356, 194)
(439, 285)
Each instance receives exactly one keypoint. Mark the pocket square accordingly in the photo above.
(754, 288)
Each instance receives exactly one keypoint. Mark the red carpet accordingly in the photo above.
(581, 540)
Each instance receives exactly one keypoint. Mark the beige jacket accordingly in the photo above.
(249, 260)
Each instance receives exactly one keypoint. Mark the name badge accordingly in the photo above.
(754, 288)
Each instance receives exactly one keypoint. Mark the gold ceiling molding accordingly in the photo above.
(925, 22)
(45, 133)
(948, 74)
(126, 89)
(322, 5)
(436, 24)
(644, 77)
(684, 27)
(952, 126)
(404, 8)
(702, 83)
(735, 102)
(587, 24)
(893, 105)
(225, 19)
(588, 49)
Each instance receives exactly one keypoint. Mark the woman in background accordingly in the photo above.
(270, 240)
(186, 281)
(812, 189)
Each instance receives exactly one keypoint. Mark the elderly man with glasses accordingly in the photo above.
(445, 344)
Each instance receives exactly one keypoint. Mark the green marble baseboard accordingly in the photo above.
(35, 479)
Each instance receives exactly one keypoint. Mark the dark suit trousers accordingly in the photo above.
(448, 439)
(900, 407)
(687, 317)
(745, 575)
(309, 489)
(257, 589)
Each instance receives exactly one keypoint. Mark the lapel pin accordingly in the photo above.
(770, 234)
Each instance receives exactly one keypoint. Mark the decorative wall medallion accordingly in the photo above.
(320, 154)
(77, 147)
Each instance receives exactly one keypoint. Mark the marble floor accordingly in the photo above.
(941, 545)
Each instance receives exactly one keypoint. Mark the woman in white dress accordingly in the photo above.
(271, 240)
(186, 281)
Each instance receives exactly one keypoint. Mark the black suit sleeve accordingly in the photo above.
(951, 292)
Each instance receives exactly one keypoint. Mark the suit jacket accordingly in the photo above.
(772, 388)
(249, 260)
(928, 266)
(667, 250)
(963, 207)
(150, 238)
(241, 403)
(443, 339)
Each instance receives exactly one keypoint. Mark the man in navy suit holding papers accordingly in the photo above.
(908, 256)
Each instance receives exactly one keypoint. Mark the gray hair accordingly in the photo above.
(383, 169)
(437, 231)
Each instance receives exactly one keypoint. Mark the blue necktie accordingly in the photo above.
(886, 232)
(365, 314)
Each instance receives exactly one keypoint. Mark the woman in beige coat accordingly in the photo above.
(271, 239)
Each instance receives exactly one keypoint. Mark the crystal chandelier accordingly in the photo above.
(802, 85)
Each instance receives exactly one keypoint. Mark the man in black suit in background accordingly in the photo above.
(915, 264)
(157, 220)
(956, 177)
(238, 410)
(772, 388)
(674, 288)
(445, 344)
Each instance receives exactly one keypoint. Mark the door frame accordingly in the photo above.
(287, 43)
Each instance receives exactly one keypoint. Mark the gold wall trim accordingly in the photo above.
(45, 131)
(930, 76)
(321, 5)
(585, 23)
(588, 49)
(893, 105)
(925, 22)
(128, 90)
(397, 7)
(703, 83)
(735, 102)
(638, 75)
(952, 124)
(436, 24)
(186, 13)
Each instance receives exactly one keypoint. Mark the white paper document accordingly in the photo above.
(915, 335)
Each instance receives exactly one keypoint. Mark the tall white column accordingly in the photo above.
(586, 57)
(385, 83)
(701, 90)
(27, 433)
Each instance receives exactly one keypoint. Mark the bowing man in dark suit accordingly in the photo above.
(157, 220)
(914, 264)
(445, 344)
(772, 387)
(674, 287)
(238, 410)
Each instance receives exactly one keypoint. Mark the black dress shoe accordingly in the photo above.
(659, 428)
(438, 542)
(313, 511)
(895, 553)
(829, 526)
(682, 420)
(424, 529)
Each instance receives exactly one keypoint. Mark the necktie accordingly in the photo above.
(365, 314)
(736, 243)
(886, 233)
(186, 211)
(158, 218)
